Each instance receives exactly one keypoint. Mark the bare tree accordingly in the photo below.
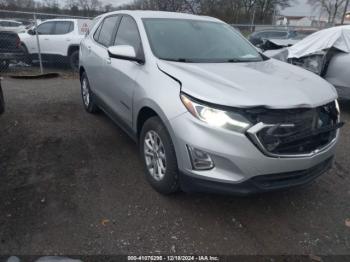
(333, 8)
(71, 3)
(89, 6)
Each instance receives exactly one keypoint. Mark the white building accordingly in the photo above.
(301, 21)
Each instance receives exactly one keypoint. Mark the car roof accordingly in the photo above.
(60, 19)
(8, 20)
(162, 14)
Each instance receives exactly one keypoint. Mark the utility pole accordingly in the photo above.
(345, 10)
(38, 44)
(253, 20)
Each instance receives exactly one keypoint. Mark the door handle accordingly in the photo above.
(46, 39)
(68, 39)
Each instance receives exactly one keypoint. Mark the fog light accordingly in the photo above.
(200, 159)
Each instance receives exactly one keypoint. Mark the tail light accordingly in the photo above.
(18, 42)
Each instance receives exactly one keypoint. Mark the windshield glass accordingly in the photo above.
(194, 41)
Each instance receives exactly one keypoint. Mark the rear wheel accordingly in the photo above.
(87, 95)
(26, 56)
(74, 60)
(158, 156)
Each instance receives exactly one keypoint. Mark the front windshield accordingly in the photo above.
(197, 41)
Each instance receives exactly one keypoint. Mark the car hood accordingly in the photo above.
(271, 84)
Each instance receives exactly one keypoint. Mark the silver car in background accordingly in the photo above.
(12, 26)
(208, 111)
(325, 53)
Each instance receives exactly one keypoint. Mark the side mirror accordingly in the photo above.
(125, 52)
(31, 31)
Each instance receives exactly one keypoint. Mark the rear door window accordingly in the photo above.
(14, 24)
(63, 27)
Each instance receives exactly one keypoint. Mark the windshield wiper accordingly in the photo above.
(233, 60)
(183, 60)
(237, 60)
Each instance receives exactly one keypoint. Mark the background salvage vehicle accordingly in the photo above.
(257, 38)
(10, 49)
(285, 37)
(12, 26)
(252, 124)
(59, 39)
(325, 53)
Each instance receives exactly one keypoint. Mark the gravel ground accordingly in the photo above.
(72, 183)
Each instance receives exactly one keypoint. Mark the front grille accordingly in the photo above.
(296, 131)
(295, 178)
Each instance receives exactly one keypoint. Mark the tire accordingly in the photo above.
(2, 101)
(74, 60)
(87, 95)
(26, 56)
(167, 182)
(4, 65)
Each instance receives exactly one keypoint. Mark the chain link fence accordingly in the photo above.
(37, 43)
(248, 29)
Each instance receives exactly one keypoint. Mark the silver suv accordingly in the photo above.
(209, 112)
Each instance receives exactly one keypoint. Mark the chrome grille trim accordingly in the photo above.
(254, 130)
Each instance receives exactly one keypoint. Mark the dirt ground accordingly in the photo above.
(72, 183)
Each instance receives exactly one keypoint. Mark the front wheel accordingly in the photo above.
(87, 96)
(158, 156)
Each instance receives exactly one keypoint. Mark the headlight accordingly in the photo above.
(216, 117)
(338, 109)
(337, 106)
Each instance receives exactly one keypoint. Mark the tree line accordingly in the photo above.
(231, 11)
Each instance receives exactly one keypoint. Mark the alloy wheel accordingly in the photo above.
(154, 153)
(85, 92)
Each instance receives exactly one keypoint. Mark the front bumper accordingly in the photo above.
(258, 184)
(238, 162)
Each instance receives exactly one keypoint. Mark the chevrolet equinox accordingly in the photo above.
(208, 111)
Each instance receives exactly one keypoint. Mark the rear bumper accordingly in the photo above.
(11, 56)
(257, 184)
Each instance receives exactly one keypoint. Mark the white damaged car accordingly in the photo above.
(326, 53)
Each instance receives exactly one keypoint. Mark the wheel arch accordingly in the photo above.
(72, 48)
(150, 109)
(147, 110)
(144, 114)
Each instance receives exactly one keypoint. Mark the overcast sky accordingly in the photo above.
(298, 8)
(116, 2)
